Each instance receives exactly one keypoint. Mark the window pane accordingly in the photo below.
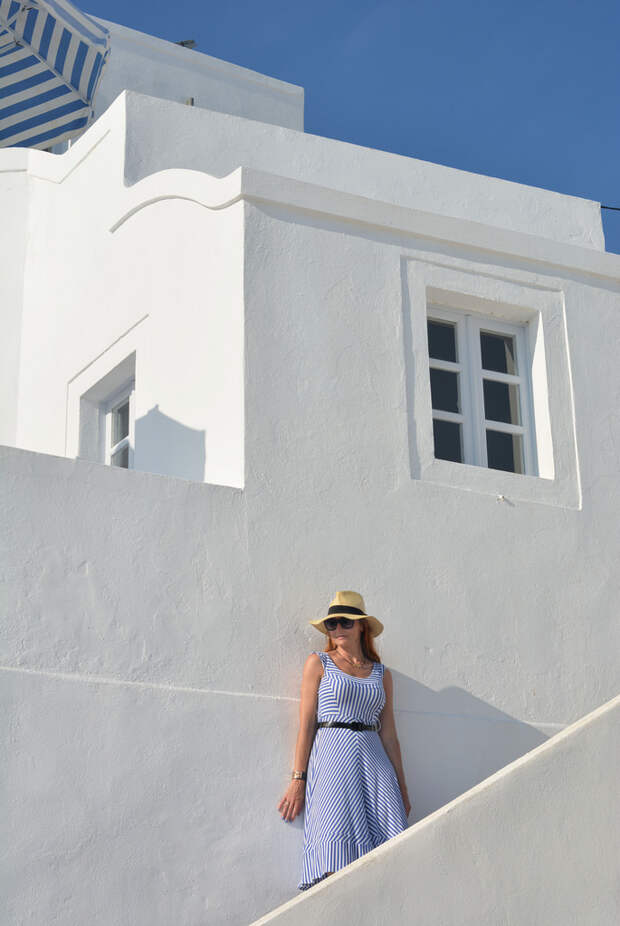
(505, 451)
(121, 457)
(120, 422)
(445, 391)
(447, 436)
(498, 352)
(501, 402)
(442, 341)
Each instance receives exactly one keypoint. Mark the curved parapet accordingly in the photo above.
(189, 185)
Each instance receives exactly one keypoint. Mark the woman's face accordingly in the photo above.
(342, 635)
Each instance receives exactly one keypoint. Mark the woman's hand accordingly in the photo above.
(407, 804)
(293, 800)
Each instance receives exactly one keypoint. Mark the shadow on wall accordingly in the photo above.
(169, 448)
(451, 740)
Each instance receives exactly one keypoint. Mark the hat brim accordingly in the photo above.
(376, 627)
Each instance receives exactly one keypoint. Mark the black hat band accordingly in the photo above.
(345, 609)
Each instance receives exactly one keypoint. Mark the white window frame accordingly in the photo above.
(468, 365)
(120, 397)
(94, 384)
(512, 295)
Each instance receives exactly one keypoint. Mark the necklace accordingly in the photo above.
(357, 665)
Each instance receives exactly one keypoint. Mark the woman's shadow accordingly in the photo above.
(451, 740)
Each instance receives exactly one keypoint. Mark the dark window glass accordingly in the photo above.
(505, 451)
(120, 422)
(498, 352)
(501, 402)
(442, 341)
(447, 436)
(445, 390)
(121, 457)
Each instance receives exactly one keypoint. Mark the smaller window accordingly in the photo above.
(118, 422)
(480, 391)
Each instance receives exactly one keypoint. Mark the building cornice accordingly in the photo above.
(262, 188)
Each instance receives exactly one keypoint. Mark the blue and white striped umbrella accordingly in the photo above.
(51, 59)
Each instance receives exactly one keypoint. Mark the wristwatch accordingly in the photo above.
(300, 775)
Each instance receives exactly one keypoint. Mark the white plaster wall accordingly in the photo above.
(161, 135)
(176, 272)
(150, 669)
(508, 600)
(536, 843)
(87, 282)
(500, 618)
(163, 69)
(128, 805)
(150, 663)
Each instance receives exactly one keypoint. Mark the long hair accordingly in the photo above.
(366, 638)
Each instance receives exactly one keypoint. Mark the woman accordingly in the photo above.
(354, 789)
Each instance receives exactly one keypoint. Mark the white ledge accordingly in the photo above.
(261, 187)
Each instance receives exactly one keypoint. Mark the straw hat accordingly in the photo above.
(349, 604)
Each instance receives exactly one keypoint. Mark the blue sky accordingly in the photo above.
(523, 90)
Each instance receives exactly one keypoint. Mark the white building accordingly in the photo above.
(247, 320)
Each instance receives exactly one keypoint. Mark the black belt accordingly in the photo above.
(354, 725)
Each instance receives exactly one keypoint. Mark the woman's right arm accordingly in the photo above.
(296, 791)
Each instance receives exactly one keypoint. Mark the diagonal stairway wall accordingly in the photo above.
(536, 844)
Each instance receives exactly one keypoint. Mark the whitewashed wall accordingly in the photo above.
(156, 627)
(169, 71)
(163, 135)
(171, 279)
(168, 285)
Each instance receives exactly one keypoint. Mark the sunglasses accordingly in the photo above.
(330, 623)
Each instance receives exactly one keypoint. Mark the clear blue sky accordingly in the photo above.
(527, 90)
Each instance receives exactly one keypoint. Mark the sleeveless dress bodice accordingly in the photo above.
(353, 800)
(344, 697)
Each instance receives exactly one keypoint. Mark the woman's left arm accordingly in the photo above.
(389, 737)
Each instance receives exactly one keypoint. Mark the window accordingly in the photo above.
(101, 412)
(102, 403)
(500, 331)
(480, 391)
(119, 428)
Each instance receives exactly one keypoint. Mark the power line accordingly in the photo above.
(613, 208)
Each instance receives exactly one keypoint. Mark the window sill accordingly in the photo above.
(505, 487)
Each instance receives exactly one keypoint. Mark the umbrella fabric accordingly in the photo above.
(51, 58)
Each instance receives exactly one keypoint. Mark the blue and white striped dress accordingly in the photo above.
(353, 799)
